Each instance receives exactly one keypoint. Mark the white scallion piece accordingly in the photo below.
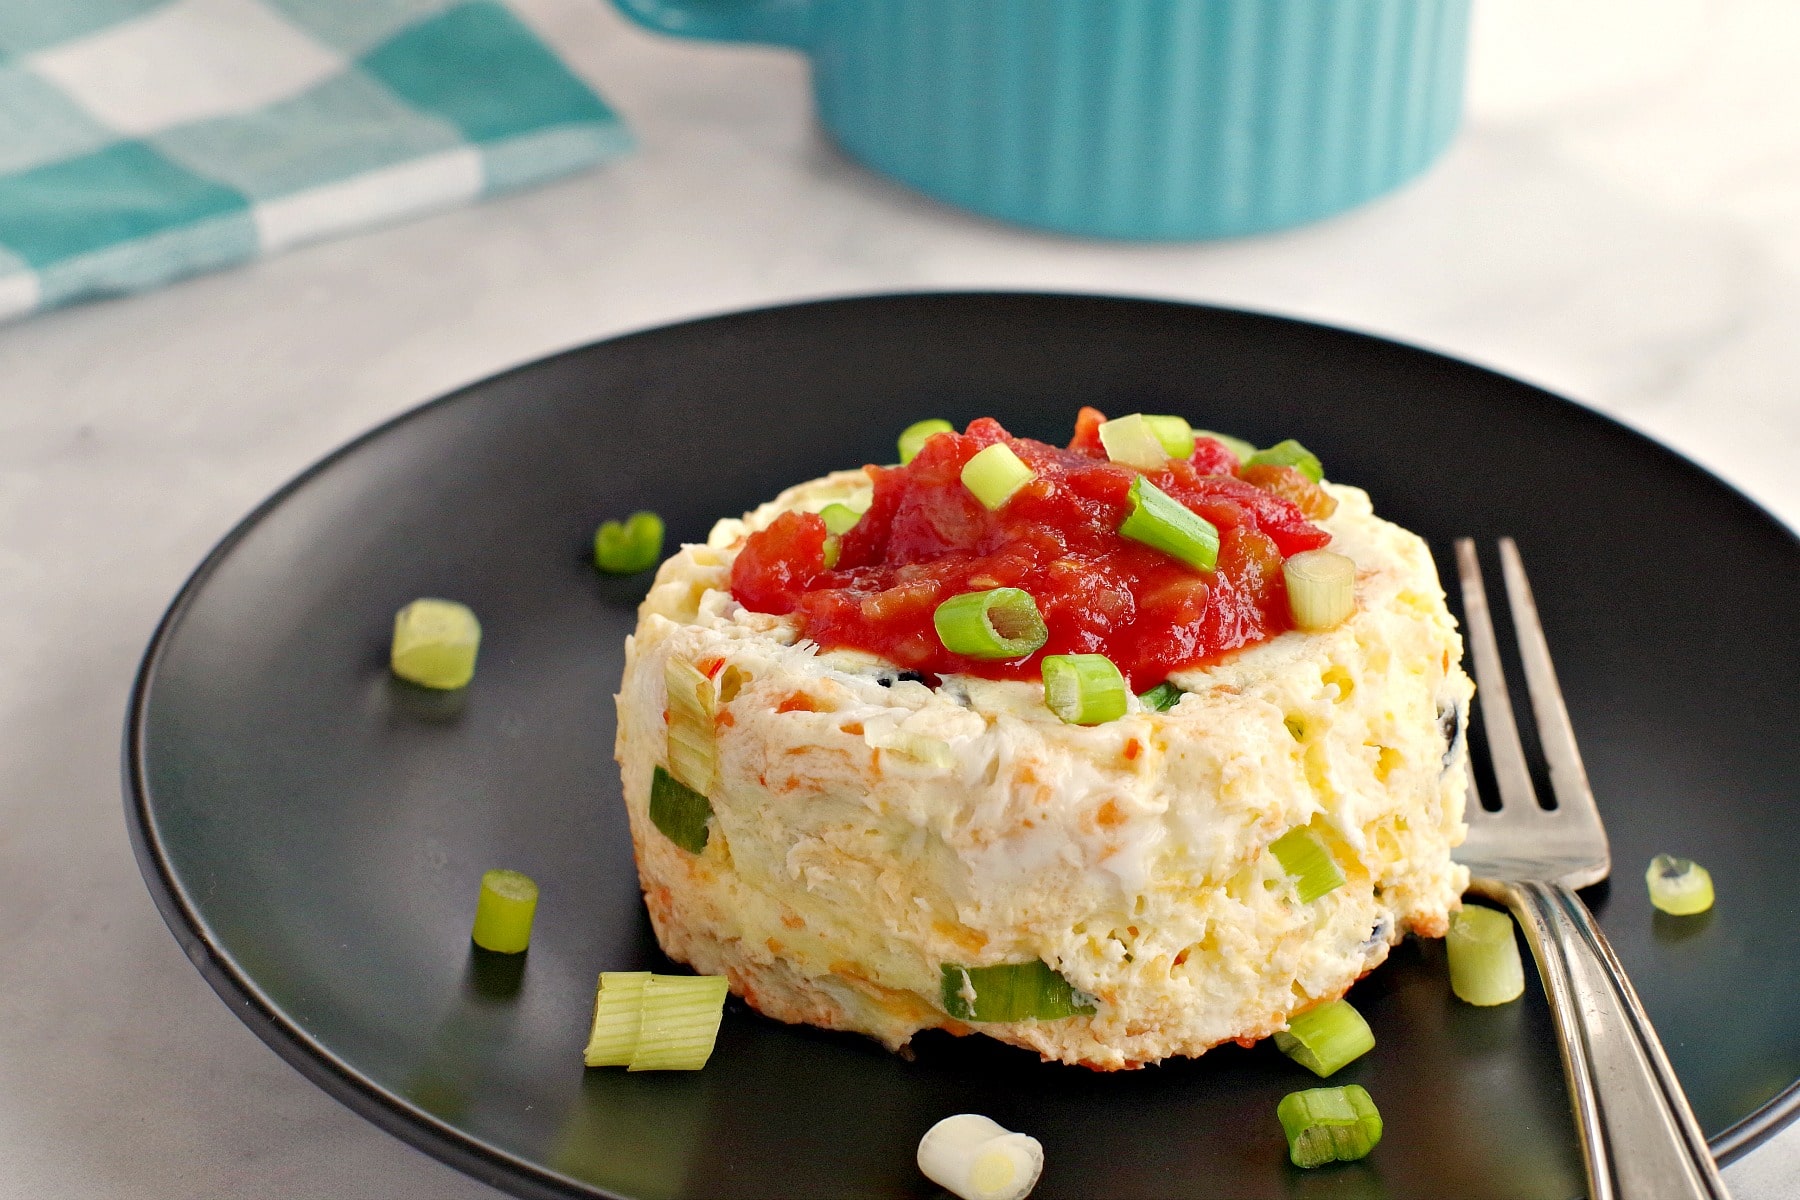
(1485, 968)
(1321, 588)
(618, 1016)
(1132, 441)
(977, 1159)
(1680, 887)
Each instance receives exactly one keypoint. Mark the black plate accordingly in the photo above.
(313, 830)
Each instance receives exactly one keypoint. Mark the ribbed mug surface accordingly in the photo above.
(1159, 119)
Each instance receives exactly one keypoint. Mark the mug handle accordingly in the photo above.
(770, 22)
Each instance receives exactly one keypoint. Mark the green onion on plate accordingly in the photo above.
(1163, 523)
(995, 474)
(914, 436)
(1175, 434)
(1321, 588)
(976, 1158)
(1307, 860)
(503, 912)
(1680, 887)
(1326, 1038)
(994, 624)
(1485, 968)
(618, 1016)
(1134, 442)
(1289, 454)
(1084, 689)
(435, 643)
(1325, 1125)
(1162, 697)
(679, 811)
(1011, 992)
(629, 546)
(680, 1022)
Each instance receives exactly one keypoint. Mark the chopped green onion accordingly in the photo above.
(975, 1158)
(679, 811)
(503, 912)
(833, 551)
(1326, 1038)
(839, 518)
(631, 546)
(618, 1016)
(1289, 454)
(994, 474)
(914, 436)
(693, 741)
(1484, 959)
(1162, 697)
(1163, 523)
(435, 642)
(1326, 1125)
(1321, 588)
(1237, 445)
(1304, 856)
(680, 1022)
(1175, 434)
(1680, 887)
(998, 623)
(1084, 689)
(1011, 992)
(1133, 442)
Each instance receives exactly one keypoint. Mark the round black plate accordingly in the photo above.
(314, 830)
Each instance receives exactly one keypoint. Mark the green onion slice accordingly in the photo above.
(1326, 1125)
(618, 1016)
(1289, 454)
(679, 811)
(693, 740)
(914, 436)
(1680, 887)
(1327, 1038)
(998, 623)
(1163, 523)
(1011, 992)
(435, 642)
(1133, 441)
(1237, 445)
(1162, 697)
(839, 518)
(1485, 968)
(630, 546)
(1175, 434)
(1321, 588)
(1304, 856)
(995, 474)
(976, 1158)
(1084, 689)
(503, 912)
(680, 1022)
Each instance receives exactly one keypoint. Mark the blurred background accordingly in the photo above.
(1618, 219)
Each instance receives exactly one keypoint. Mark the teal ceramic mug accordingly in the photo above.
(1155, 119)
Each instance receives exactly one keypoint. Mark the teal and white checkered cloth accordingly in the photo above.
(143, 140)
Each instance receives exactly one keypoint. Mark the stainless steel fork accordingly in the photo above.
(1639, 1140)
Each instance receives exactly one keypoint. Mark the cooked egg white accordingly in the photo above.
(868, 830)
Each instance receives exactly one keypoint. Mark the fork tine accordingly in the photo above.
(1507, 755)
(1568, 778)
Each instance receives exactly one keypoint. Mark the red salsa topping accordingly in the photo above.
(926, 538)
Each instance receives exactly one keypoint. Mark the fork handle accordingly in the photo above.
(1639, 1139)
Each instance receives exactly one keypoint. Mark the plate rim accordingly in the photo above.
(449, 1143)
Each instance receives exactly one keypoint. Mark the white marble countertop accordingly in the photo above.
(1620, 221)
